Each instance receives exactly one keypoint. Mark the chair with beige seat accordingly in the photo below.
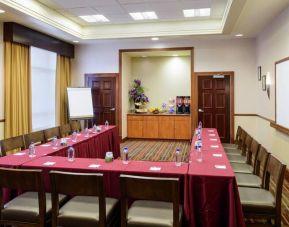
(242, 157)
(88, 208)
(12, 144)
(236, 144)
(241, 142)
(157, 202)
(34, 137)
(265, 202)
(255, 179)
(32, 208)
(51, 132)
(250, 164)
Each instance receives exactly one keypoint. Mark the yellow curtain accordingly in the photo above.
(17, 89)
(63, 80)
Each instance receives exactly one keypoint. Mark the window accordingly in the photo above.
(43, 76)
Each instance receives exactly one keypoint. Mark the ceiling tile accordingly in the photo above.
(117, 9)
(138, 7)
(173, 6)
(188, 4)
(82, 11)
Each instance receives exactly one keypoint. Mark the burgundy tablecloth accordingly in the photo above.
(212, 193)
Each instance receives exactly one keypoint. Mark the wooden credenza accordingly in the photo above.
(160, 126)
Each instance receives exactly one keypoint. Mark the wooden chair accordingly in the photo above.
(34, 137)
(88, 208)
(249, 166)
(31, 208)
(152, 197)
(265, 202)
(241, 143)
(50, 133)
(236, 142)
(242, 157)
(65, 130)
(255, 179)
(75, 126)
(11, 144)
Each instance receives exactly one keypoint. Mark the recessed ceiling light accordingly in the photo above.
(94, 18)
(239, 35)
(203, 12)
(2, 11)
(144, 15)
(155, 38)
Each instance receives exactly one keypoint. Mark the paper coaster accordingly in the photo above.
(67, 138)
(211, 130)
(217, 155)
(220, 167)
(213, 139)
(155, 168)
(214, 146)
(49, 163)
(19, 154)
(94, 166)
(45, 145)
(212, 134)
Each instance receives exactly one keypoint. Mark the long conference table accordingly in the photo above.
(209, 193)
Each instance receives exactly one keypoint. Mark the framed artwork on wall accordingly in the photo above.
(264, 83)
(259, 73)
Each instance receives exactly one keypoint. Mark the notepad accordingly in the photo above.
(94, 166)
(49, 163)
(212, 134)
(220, 167)
(45, 145)
(155, 168)
(214, 146)
(217, 155)
(213, 139)
(19, 154)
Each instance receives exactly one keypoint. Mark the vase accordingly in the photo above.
(137, 105)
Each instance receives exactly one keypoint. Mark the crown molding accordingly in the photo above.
(110, 31)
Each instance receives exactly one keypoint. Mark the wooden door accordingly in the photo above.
(166, 127)
(103, 98)
(182, 127)
(135, 126)
(150, 127)
(214, 104)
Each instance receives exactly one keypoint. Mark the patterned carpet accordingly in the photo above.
(156, 150)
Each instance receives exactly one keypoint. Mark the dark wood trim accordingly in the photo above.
(17, 33)
(287, 175)
(191, 49)
(124, 139)
(279, 128)
(265, 118)
(2, 120)
(117, 94)
(254, 115)
(195, 95)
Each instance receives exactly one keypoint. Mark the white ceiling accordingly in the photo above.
(59, 18)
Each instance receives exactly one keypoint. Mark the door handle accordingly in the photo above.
(201, 110)
(112, 109)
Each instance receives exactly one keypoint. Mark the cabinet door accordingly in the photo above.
(150, 127)
(134, 127)
(182, 127)
(166, 127)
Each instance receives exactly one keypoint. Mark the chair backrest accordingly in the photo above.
(86, 184)
(65, 130)
(51, 132)
(75, 126)
(238, 134)
(253, 152)
(149, 188)
(261, 163)
(25, 180)
(275, 172)
(12, 143)
(247, 144)
(35, 137)
(242, 139)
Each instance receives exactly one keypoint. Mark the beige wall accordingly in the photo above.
(1, 82)
(272, 45)
(163, 77)
(126, 75)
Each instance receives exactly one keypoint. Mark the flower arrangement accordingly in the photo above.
(136, 93)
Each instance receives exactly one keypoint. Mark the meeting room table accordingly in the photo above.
(212, 194)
